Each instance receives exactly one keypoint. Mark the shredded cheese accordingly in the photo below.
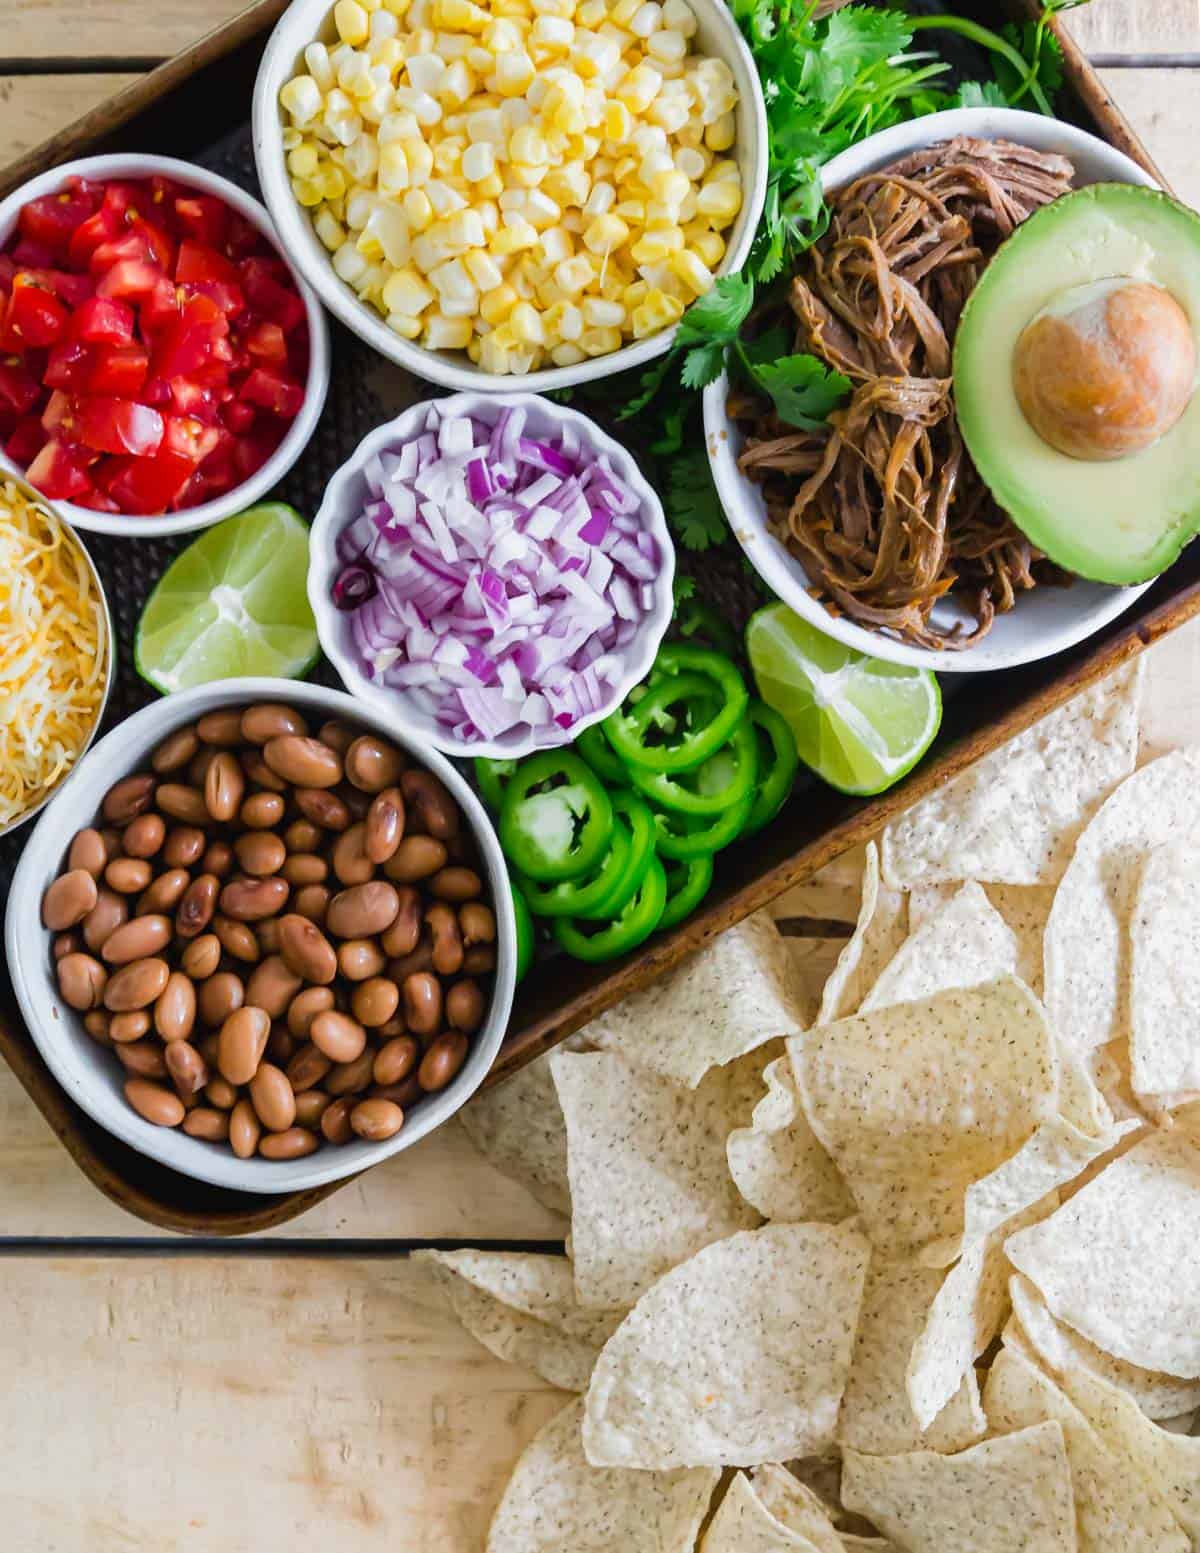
(53, 653)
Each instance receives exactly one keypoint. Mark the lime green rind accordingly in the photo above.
(261, 558)
(1048, 517)
(864, 732)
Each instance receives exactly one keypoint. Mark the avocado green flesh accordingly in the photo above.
(1118, 521)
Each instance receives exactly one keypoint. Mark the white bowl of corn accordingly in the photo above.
(489, 189)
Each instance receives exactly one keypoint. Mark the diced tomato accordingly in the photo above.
(242, 238)
(165, 194)
(203, 217)
(192, 399)
(118, 370)
(273, 392)
(132, 278)
(19, 391)
(8, 269)
(127, 201)
(68, 366)
(74, 290)
(159, 308)
(103, 227)
(187, 345)
(228, 298)
(113, 425)
(251, 453)
(26, 440)
(141, 241)
(33, 316)
(269, 291)
(195, 262)
(146, 485)
(59, 471)
(51, 219)
(238, 416)
(28, 255)
(103, 320)
(185, 435)
(96, 500)
(267, 342)
(57, 412)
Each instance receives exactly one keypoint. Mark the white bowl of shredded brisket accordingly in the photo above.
(878, 528)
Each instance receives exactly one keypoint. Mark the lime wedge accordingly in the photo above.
(232, 604)
(860, 723)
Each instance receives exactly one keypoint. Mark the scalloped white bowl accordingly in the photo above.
(316, 386)
(306, 20)
(345, 496)
(1044, 622)
(93, 1078)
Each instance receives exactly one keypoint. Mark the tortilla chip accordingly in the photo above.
(649, 1181)
(1011, 1495)
(917, 1102)
(876, 1415)
(1169, 1462)
(878, 934)
(556, 1501)
(1060, 1350)
(777, 1163)
(518, 1125)
(743, 1524)
(1120, 1262)
(1087, 963)
(1115, 1508)
(1164, 936)
(964, 944)
(737, 1357)
(1024, 907)
(795, 1506)
(963, 1319)
(1013, 817)
(731, 996)
(521, 1306)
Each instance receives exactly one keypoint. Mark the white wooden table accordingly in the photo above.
(163, 1395)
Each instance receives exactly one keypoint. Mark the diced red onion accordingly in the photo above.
(493, 578)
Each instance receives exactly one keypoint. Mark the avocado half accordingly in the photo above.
(1120, 521)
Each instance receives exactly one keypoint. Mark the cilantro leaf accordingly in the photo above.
(978, 94)
(683, 588)
(693, 509)
(702, 365)
(802, 388)
(717, 316)
(651, 381)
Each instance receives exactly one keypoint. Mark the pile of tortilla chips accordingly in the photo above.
(923, 1274)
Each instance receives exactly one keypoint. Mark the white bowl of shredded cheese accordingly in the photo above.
(56, 651)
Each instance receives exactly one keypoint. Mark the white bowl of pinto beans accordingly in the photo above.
(262, 937)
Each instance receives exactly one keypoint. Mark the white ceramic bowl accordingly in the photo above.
(134, 165)
(304, 21)
(92, 1077)
(345, 496)
(1043, 622)
(107, 645)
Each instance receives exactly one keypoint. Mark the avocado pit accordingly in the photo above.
(1106, 368)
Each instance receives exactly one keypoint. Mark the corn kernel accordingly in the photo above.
(639, 88)
(604, 234)
(600, 342)
(351, 22)
(398, 126)
(447, 157)
(493, 358)
(460, 15)
(574, 274)
(623, 12)
(618, 121)
(554, 33)
(658, 311)
(400, 323)
(590, 13)
(487, 126)
(404, 291)
(504, 37)
(301, 98)
(603, 314)
(483, 269)
(478, 161)
(557, 245)
(708, 246)
(692, 271)
(443, 198)
(417, 209)
(302, 162)
(442, 333)
(393, 168)
(420, 161)
(497, 304)
(513, 73)
(720, 200)
(491, 187)
(721, 133)
(348, 264)
(526, 324)
(566, 356)
(329, 230)
(513, 238)
(528, 146)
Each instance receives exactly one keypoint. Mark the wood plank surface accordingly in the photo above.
(187, 1404)
(1136, 26)
(33, 107)
(108, 29)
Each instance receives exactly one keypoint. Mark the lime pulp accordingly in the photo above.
(233, 604)
(859, 723)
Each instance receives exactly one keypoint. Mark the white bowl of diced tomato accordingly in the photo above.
(162, 363)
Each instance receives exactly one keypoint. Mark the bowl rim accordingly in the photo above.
(294, 29)
(390, 702)
(136, 164)
(107, 633)
(781, 571)
(27, 946)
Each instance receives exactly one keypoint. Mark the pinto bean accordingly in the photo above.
(164, 893)
(373, 764)
(182, 803)
(447, 954)
(422, 994)
(416, 858)
(128, 798)
(88, 852)
(201, 957)
(175, 1010)
(237, 939)
(363, 909)
(350, 861)
(154, 1103)
(243, 1037)
(430, 809)
(197, 905)
(82, 981)
(144, 836)
(249, 900)
(272, 986)
(441, 1062)
(137, 939)
(337, 1035)
(218, 997)
(302, 761)
(136, 985)
(224, 784)
(69, 899)
(128, 875)
(262, 810)
(104, 918)
(385, 824)
(267, 720)
(305, 949)
(376, 1120)
(175, 751)
(323, 808)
